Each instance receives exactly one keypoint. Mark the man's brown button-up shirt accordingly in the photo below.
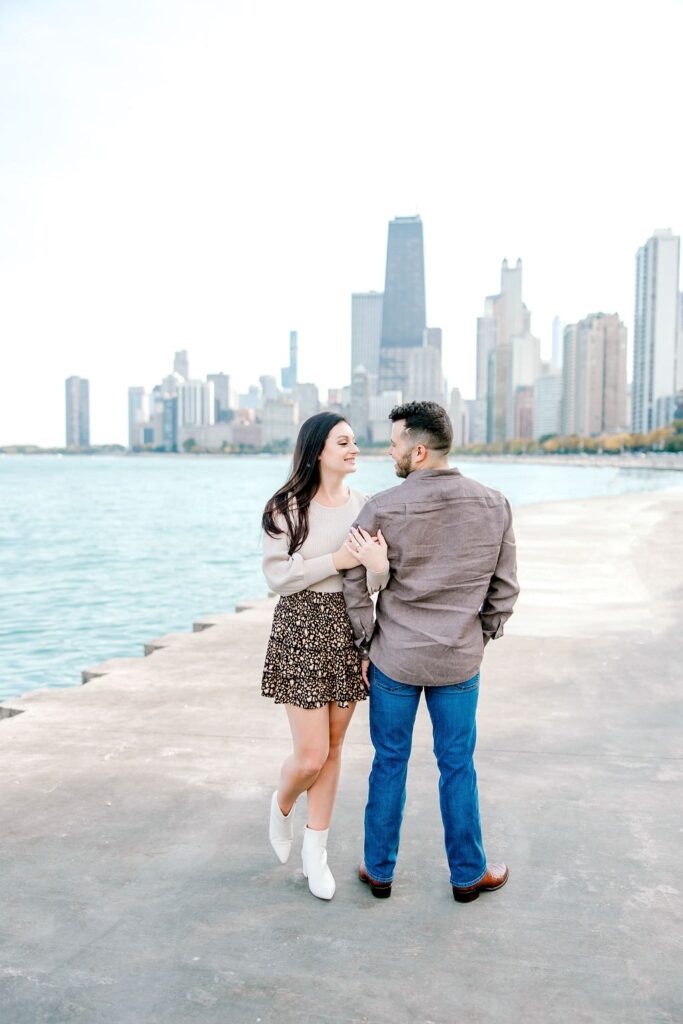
(453, 578)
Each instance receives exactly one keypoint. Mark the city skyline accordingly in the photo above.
(132, 227)
(580, 390)
(510, 282)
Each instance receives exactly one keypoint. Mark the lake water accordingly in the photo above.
(99, 554)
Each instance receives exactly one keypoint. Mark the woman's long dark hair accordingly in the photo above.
(293, 499)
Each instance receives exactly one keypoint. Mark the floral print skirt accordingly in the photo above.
(311, 658)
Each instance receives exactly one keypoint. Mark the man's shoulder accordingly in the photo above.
(474, 489)
(389, 497)
(451, 487)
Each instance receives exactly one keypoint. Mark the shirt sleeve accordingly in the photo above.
(503, 586)
(376, 581)
(359, 584)
(289, 574)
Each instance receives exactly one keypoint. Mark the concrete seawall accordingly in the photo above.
(139, 887)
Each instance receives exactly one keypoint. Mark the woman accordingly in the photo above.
(312, 665)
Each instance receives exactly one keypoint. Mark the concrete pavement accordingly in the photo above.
(139, 887)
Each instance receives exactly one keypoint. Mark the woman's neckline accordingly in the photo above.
(331, 508)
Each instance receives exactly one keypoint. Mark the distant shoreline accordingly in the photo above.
(672, 461)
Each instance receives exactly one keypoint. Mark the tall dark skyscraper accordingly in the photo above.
(404, 316)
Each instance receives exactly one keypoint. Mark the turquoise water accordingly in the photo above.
(99, 554)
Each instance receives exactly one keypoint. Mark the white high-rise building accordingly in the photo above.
(360, 402)
(456, 412)
(424, 377)
(548, 404)
(307, 398)
(505, 317)
(181, 364)
(594, 376)
(523, 372)
(196, 403)
(655, 332)
(224, 396)
(379, 407)
(558, 339)
(138, 416)
(279, 419)
(366, 333)
(269, 387)
(475, 421)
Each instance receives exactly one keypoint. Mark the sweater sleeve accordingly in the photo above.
(288, 574)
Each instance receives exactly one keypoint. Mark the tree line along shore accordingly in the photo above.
(665, 439)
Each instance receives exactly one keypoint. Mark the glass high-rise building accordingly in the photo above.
(655, 332)
(138, 416)
(289, 374)
(404, 317)
(366, 333)
(77, 394)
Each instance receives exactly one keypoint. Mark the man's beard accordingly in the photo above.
(403, 467)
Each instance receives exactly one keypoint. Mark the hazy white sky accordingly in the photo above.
(208, 175)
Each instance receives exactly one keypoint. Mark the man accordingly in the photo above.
(452, 587)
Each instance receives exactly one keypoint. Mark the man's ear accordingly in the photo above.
(420, 453)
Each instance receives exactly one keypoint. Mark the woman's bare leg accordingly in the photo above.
(322, 793)
(311, 738)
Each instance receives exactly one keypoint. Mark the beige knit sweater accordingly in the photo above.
(311, 567)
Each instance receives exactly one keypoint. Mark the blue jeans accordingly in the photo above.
(452, 709)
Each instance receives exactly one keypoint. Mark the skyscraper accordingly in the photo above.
(225, 399)
(404, 307)
(424, 379)
(289, 373)
(77, 394)
(505, 318)
(269, 387)
(366, 333)
(525, 368)
(196, 403)
(307, 398)
(181, 364)
(655, 332)
(548, 404)
(558, 335)
(456, 411)
(138, 416)
(360, 402)
(594, 375)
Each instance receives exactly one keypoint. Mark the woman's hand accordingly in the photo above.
(370, 551)
(344, 559)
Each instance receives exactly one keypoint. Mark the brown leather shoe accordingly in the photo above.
(382, 890)
(495, 878)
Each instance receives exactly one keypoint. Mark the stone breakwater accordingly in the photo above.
(139, 887)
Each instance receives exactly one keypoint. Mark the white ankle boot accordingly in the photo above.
(314, 857)
(281, 830)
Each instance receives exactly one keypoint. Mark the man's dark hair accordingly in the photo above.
(427, 424)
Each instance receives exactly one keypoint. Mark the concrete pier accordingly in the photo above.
(139, 886)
